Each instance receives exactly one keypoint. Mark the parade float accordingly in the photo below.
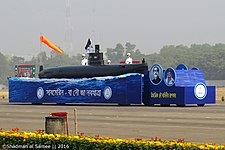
(123, 84)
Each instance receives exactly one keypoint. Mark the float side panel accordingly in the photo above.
(124, 89)
(210, 98)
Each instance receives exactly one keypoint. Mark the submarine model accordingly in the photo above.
(95, 68)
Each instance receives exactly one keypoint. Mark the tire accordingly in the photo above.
(165, 105)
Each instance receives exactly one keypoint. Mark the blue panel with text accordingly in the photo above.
(122, 89)
(179, 86)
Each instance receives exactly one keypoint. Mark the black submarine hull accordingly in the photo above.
(92, 71)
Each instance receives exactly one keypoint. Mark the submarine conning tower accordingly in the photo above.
(96, 58)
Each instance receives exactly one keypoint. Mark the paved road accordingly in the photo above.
(195, 124)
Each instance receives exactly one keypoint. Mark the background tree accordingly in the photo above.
(42, 58)
(116, 54)
(4, 69)
(130, 48)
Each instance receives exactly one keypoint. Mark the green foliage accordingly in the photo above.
(119, 53)
(116, 54)
(4, 69)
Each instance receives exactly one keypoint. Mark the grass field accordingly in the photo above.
(220, 94)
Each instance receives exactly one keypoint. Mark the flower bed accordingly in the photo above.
(13, 139)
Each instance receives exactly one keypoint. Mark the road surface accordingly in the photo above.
(191, 123)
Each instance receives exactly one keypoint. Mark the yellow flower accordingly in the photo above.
(56, 138)
(201, 146)
(39, 135)
(25, 136)
(118, 140)
(76, 137)
(51, 136)
(70, 137)
(44, 135)
(93, 140)
(58, 135)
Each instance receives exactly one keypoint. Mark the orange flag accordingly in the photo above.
(50, 44)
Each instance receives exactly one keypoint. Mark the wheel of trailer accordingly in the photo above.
(147, 104)
(60, 104)
(201, 105)
(36, 103)
(165, 105)
(180, 105)
(123, 104)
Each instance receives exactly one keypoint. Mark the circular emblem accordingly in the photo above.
(107, 92)
(200, 91)
(169, 76)
(155, 74)
(194, 68)
(40, 92)
(182, 67)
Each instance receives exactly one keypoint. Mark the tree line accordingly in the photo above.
(206, 57)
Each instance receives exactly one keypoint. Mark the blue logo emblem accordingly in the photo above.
(107, 92)
(200, 91)
(40, 92)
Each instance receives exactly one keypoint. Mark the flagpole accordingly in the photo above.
(93, 17)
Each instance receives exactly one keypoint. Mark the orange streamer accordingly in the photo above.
(50, 44)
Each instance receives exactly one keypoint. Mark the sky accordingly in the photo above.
(149, 24)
